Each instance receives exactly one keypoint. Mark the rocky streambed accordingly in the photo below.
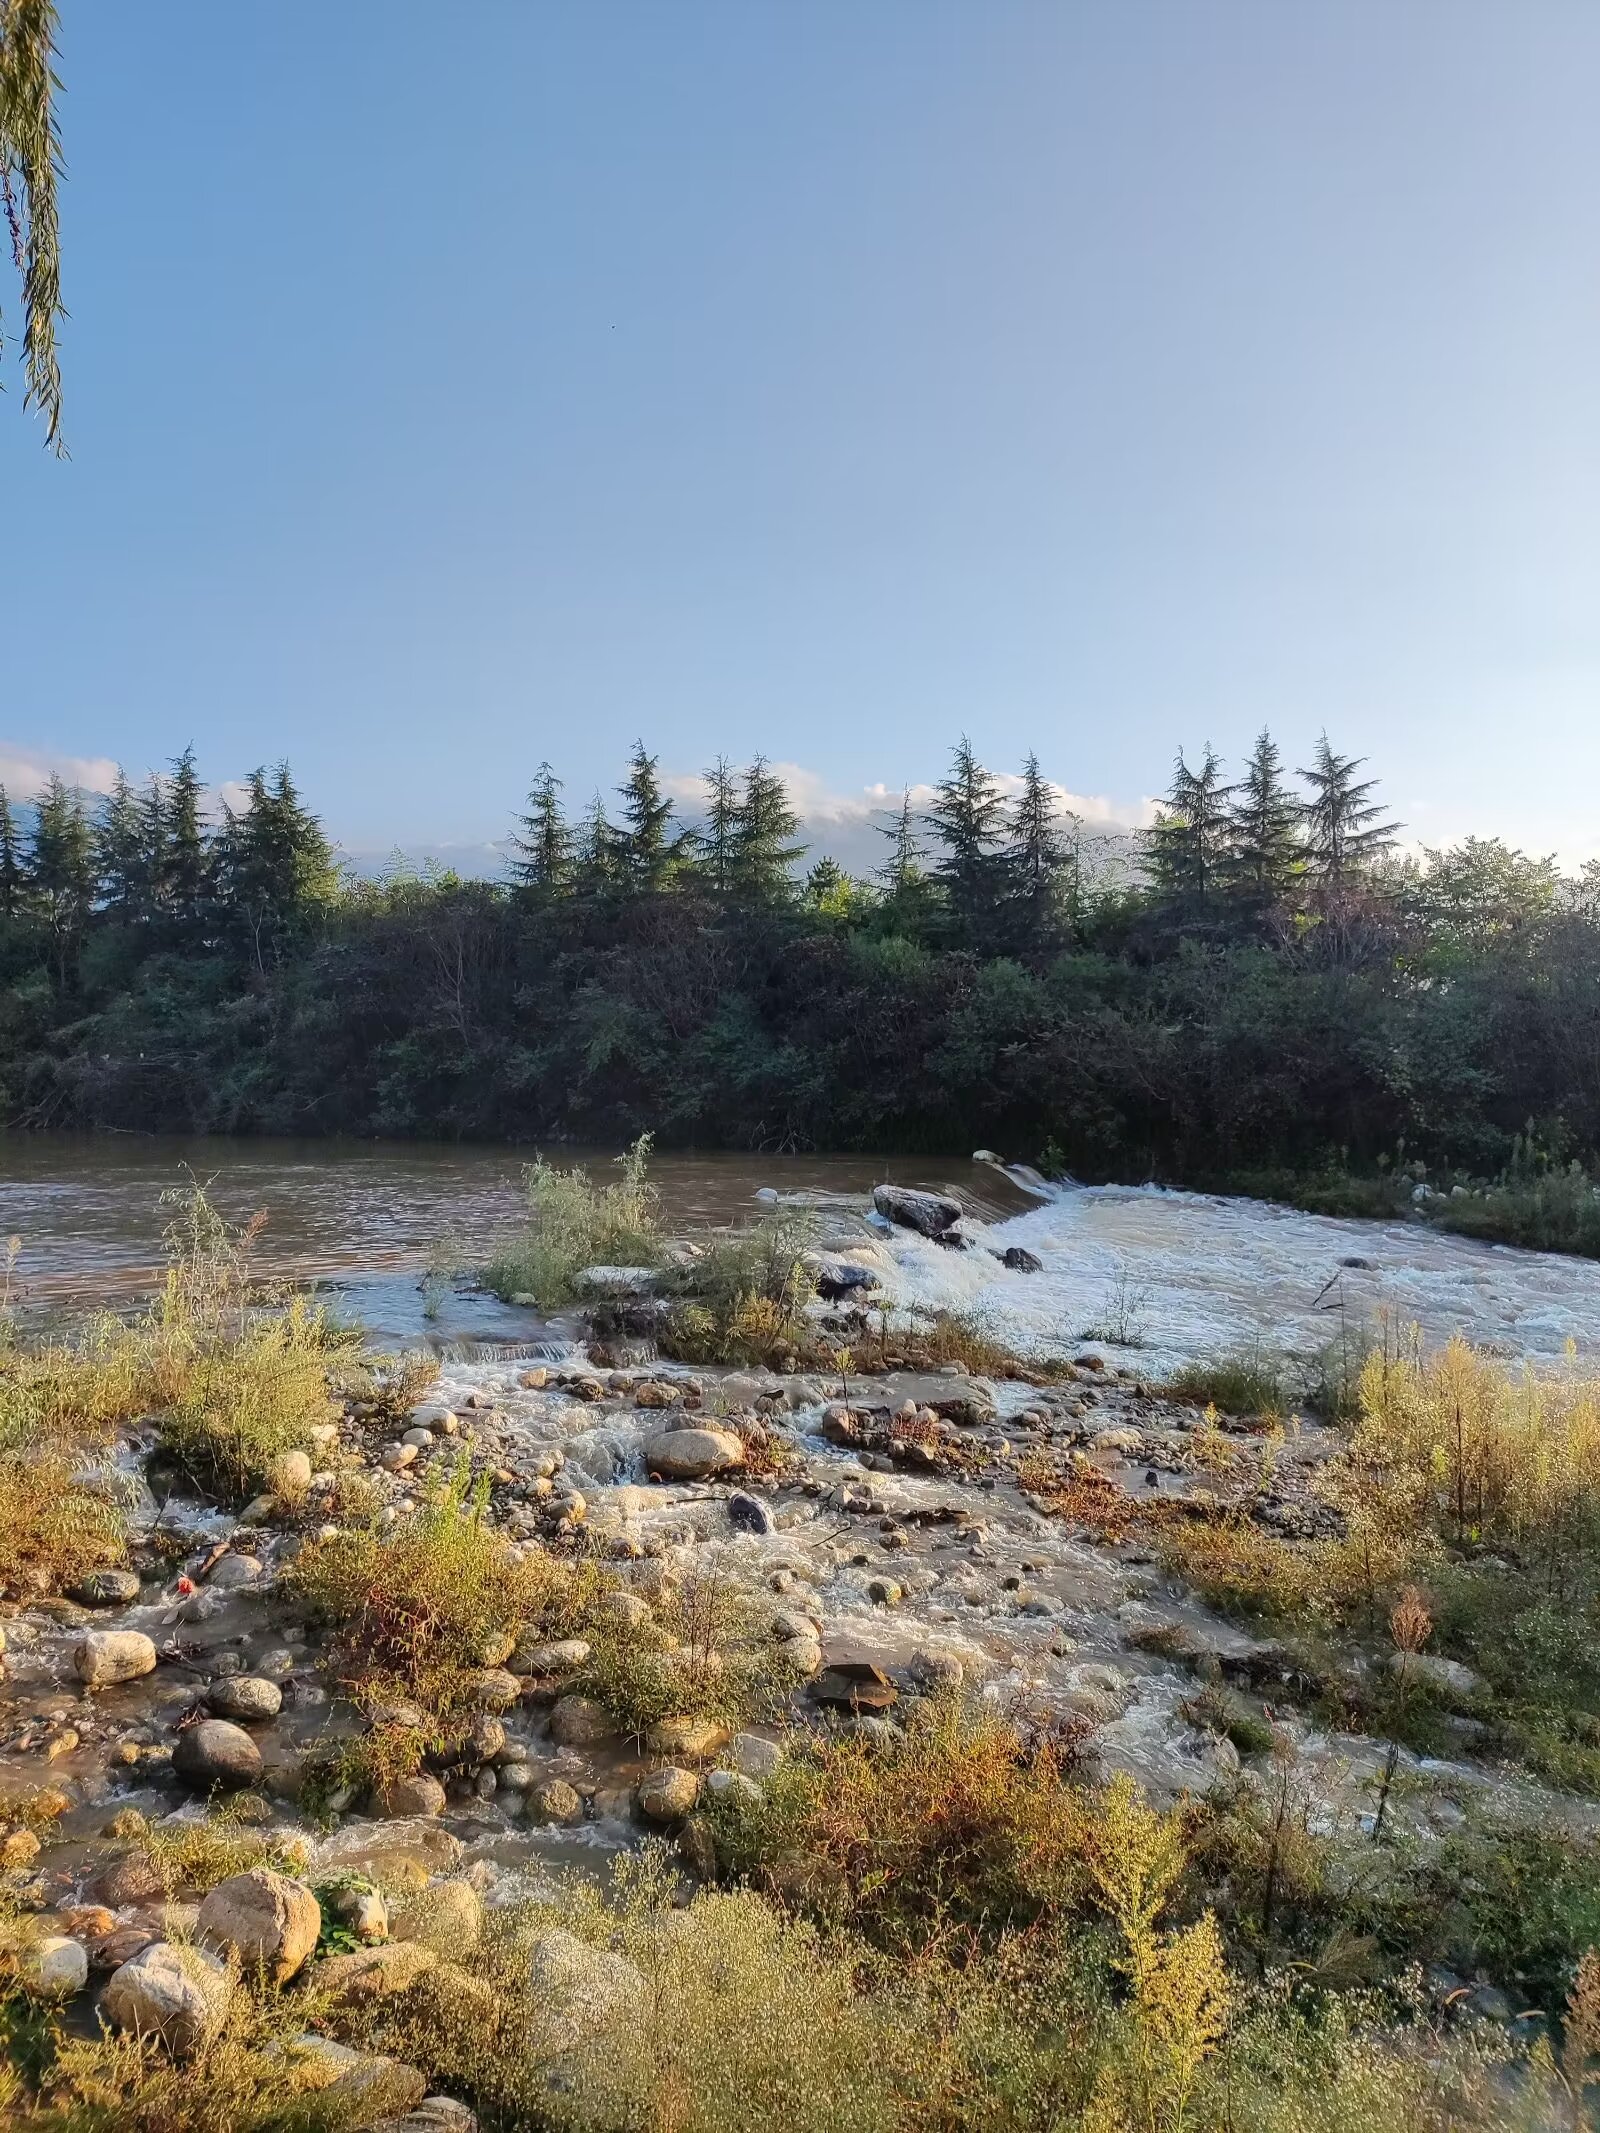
(894, 1528)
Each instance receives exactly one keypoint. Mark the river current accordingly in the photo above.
(1163, 1276)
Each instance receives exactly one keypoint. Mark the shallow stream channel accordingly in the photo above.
(885, 1576)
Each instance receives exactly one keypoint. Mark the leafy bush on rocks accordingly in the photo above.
(416, 1608)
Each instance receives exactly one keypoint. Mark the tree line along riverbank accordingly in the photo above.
(1258, 994)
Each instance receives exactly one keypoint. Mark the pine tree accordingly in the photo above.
(122, 854)
(275, 867)
(1189, 847)
(646, 850)
(1346, 830)
(61, 870)
(716, 841)
(968, 816)
(1267, 855)
(829, 891)
(1041, 863)
(596, 861)
(12, 880)
(764, 853)
(543, 867)
(907, 891)
(183, 883)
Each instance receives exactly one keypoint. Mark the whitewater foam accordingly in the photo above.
(1181, 1275)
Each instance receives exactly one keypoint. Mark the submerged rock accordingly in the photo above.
(749, 1514)
(403, 1797)
(580, 1722)
(667, 1795)
(557, 1801)
(106, 1588)
(693, 1737)
(245, 1696)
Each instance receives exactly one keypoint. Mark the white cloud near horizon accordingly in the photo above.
(845, 825)
(25, 772)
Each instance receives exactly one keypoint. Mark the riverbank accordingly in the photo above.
(365, 1731)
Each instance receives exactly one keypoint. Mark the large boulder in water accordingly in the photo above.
(692, 1454)
(930, 1214)
(106, 1657)
(215, 1756)
(839, 1278)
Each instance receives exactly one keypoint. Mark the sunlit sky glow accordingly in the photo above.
(445, 392)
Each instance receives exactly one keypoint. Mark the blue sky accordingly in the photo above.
(452, 388)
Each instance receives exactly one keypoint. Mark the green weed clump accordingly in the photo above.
(574, 1223)
(416, 1608)
(1481, 1486)
(230, 1379)
(707, 1652)
(953, 1819)
(193, 1856)
(1544, 1205)
(1247, 1383)
(239, 2081)
(743, 1298)
(244, 1403)
(54, 1525)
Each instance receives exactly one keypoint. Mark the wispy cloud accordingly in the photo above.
(25, 772)
(844, 824)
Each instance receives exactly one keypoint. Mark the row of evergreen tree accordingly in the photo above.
(1259, 839)
(985, 862)
(148, 860)
(996, 871)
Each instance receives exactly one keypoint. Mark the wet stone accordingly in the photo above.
(107, 1588)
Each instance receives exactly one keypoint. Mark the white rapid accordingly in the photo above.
(1176, 1275)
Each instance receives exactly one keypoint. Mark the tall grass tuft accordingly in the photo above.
(574, 1223)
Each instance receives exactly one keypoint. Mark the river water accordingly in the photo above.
(370, 1216)
(1165, 1275)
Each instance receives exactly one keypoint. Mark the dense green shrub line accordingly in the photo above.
(1290, 1034)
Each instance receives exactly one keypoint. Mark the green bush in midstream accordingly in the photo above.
(1250, 1382)
(708, 1651)
(574, 1223)
(418, 1608)
(243, 1404)
(231, 1380)
(742, 1297)
(193, 1856)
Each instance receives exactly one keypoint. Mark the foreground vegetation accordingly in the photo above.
(956, 1919)
(1261, 997)
(978, 1942)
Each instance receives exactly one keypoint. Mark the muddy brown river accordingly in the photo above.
(370, 1216)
